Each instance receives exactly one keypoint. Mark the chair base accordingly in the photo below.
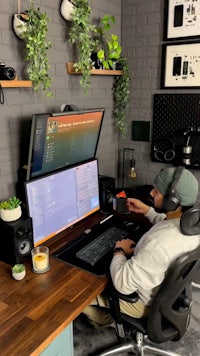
(138, 348)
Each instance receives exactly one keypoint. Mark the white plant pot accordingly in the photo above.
(19, 276)
(17, 21)
(66, 10)
(11, 215)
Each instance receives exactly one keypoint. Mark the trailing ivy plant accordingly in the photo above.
(35, 50)
(121, 94)
(80, 35)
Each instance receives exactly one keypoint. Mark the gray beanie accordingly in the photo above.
(186, 189)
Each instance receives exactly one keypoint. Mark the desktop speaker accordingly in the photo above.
(16, 240)
(106, 192)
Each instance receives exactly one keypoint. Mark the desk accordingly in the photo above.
(38, 309)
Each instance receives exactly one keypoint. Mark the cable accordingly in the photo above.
(2, 98)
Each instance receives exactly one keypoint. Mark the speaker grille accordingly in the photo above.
(16, 240)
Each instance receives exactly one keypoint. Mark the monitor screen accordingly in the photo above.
(62, 139)
(61, 199)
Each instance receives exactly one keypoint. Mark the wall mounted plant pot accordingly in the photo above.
(19, 20)
(11, 215)
(66, 9)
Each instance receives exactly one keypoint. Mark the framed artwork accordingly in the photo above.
(182, 19)
(181, 65)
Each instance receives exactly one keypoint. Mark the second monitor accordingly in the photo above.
(62, 139)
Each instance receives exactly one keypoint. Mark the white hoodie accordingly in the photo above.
(156, 250)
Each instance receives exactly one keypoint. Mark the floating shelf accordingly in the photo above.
(16, 83)
(70, 70)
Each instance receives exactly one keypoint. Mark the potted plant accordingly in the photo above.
(35, 50)
(19, 23)
(109, 48)
(121, 93)
(18, 271)
(10, 210)
(81, 35)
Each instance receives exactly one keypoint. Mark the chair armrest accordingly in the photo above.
(131, 298)
(114, 296)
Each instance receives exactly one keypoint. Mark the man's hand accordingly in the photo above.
(127, 245)
(137, 206)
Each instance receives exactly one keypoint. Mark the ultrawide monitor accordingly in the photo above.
(59, 200)
(62, 140)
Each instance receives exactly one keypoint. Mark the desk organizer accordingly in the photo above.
(176, 129)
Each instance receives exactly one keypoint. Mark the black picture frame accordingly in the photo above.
(181, 19)
(180, 65)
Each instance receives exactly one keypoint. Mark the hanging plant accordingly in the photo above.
(121, 94)
(80, 35)
(35, 50)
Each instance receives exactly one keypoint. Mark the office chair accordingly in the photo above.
(169, 314)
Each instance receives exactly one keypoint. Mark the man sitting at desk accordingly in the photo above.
(142, 268)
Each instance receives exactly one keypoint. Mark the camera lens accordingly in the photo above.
(9, 73)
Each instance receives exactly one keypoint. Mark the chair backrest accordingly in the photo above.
(170, 311)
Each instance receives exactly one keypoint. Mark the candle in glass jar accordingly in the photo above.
(40, 261)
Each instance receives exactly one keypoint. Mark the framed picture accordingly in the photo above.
(181, 65)
(181, 19)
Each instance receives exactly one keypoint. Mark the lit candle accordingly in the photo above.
(40, 261)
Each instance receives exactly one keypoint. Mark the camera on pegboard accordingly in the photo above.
(6, 73)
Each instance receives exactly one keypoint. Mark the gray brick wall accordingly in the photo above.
(21, 104)
(142, 38)
(142, 29)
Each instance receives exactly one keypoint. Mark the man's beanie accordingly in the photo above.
(186, 189)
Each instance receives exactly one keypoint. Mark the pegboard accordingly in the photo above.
(176, 118)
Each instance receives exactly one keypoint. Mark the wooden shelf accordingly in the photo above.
(70, 70)
(16, 83)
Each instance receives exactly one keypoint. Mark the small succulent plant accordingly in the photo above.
(18, 268)
(10, 204)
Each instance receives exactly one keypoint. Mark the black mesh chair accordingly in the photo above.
(169, 314)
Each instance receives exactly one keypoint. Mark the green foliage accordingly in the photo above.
(35, 51)
(110, 49)
(18, 268)
(80, 35)
(10, 204)
(121, 97)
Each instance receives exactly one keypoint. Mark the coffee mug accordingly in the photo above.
(119, 204)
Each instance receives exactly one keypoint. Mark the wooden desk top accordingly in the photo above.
(35, 310)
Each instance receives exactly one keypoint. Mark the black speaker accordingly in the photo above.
(106, 192)
(16, 240)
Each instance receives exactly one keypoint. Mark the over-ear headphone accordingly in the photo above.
(171, 200)
(164, 149)
(190, 222)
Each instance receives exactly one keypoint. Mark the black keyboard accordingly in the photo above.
(101, 245)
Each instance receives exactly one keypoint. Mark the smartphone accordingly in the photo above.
(178, 15)
(177, 66)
